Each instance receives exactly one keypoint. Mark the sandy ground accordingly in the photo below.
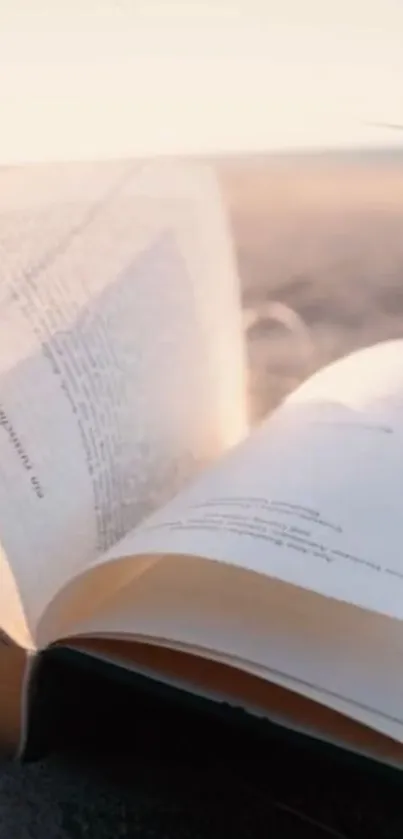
(320, 251)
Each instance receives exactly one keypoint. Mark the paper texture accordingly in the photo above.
(121, 356)
(313, 497)
(308, 506)
(340, 656)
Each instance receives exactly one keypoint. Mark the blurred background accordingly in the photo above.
(320, 251)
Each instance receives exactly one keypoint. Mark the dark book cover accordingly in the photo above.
(80, 705)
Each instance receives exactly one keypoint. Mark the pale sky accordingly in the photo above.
(111, 78)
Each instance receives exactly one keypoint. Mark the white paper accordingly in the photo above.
(121, 355)
(312, 498)
(344, 658)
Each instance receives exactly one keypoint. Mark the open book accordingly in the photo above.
(139, 522)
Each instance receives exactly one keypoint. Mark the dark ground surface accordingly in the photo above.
(325, 239)
(130, 762)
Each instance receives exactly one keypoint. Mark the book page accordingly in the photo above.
(121, 356)
(313, 497)
(344, 658)
(256, 692)
(265, 558)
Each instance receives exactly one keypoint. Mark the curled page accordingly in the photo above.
(121, 355)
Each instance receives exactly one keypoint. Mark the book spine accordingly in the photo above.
(16, 669)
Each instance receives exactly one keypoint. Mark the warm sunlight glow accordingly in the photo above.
(121, 77)
(371, 378)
